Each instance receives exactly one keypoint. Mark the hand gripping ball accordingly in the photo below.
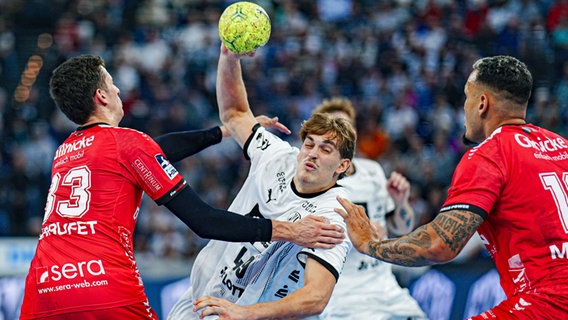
(244, 27)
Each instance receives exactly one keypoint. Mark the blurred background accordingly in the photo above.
(403, 64)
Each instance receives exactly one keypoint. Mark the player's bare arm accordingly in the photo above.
(403, 219)
(264, 121)
(309, 300)
(436, 242)
(234, 109)
(310, 231)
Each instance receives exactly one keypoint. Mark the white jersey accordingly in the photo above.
(367, 288)
(249, 273)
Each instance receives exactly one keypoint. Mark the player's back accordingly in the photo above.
(527, 228)
(85, 248)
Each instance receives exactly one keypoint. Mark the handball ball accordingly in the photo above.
(244, 27)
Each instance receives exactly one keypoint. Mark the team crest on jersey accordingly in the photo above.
(166, 166)
(295, 217)
(262, 142)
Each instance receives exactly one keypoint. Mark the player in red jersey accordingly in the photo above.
(84, 266)
(512, 188)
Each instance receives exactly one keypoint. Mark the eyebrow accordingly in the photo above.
(326, 141)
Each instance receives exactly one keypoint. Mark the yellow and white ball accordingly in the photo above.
(244, 27)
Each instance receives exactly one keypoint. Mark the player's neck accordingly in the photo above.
(95, 119)
(505, 122)
(516, 120)
(303, 188)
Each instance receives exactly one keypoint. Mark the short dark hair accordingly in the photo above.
(73, 85)
(506, 75)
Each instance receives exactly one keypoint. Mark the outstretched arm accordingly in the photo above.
(311, 299)
(212, 223)
(180, 145)
(436, 242)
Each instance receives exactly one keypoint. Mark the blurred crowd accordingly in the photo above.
(402, 63)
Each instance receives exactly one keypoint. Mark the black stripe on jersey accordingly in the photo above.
(466, 207)
(321, 261)
(311, 195)
(246, 145)
(172, 193)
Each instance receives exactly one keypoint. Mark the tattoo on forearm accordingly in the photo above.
(405, 250)
(400, 223)
(415, 249)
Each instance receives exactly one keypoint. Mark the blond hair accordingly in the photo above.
(338, 104)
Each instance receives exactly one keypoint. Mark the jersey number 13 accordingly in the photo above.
(76, 204)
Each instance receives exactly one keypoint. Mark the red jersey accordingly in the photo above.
(85, 257)
(518, 180)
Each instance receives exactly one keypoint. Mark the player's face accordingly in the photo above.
(319, 164)
(473, 128)
(113, 94)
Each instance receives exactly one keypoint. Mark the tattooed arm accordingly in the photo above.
(436, 242)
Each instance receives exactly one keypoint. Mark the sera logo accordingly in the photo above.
(70, 271)
(166, 166)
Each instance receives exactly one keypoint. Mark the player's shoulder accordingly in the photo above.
(129, 131)
(329, 197)
(366, 163)
(367, 166)
(506, 137)
(129, 134)
(269, 145)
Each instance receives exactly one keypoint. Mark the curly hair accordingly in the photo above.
(507, 76)
(73, 84)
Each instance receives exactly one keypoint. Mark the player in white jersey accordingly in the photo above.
(276, 279)
(367, 288)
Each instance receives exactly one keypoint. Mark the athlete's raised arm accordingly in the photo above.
(234, 109)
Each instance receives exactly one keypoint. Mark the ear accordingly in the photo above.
(484, 103)
(100, 97)
(343, 166)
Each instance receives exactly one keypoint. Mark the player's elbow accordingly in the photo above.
(320, 305)
(316, 308)
(230, 116)
(316, 303)
(441, 252)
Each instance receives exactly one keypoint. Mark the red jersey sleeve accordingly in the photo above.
(145, 160)
(477, 181)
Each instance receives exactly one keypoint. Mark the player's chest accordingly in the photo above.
(286, 205)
